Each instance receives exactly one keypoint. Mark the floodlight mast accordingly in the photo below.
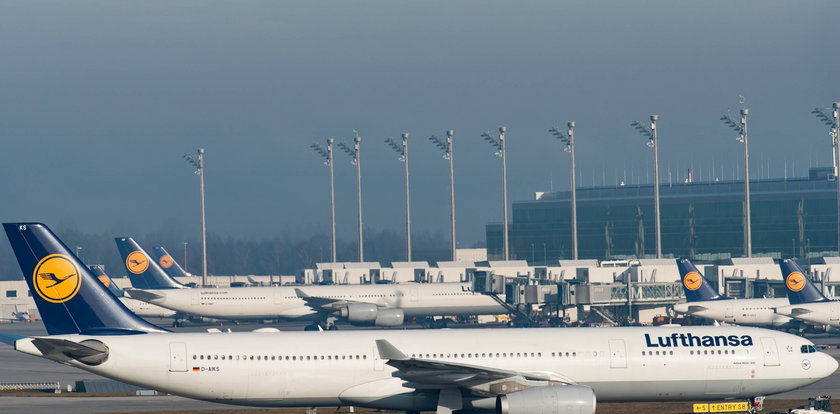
(569, 140)
(653, 142)
(834, 122)
(449, 155)
(402, 149)
(328, 155)
(499, 144)
(355, 152)
(741, 128)
(199, 170)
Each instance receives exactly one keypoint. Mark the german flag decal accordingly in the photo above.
(196, 369)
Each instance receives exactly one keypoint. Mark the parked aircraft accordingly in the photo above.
(703, 301)
(168, 263)
(18, 316)
(507, 371)
(140, 308)
(807, 303)
(378, 305)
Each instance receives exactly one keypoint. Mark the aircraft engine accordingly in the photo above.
(390, 317)
(553, 399)
(359, 312)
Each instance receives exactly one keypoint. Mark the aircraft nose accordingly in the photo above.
(827, 364)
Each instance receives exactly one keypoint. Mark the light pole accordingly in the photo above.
(355, 152)
(199, 170)
(402, 149)
(499, 144)
(328, 155)
(652, 142)
(743, 136)
(834, 122)
(448, 155)
(185, 257)
(569, 140)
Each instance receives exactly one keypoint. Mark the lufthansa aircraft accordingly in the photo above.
(378, 305)
(807, 303)
(703, 301)
(140, 308)
(476, 370)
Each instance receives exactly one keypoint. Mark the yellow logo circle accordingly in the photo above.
(692, 281)
(56, 278)
(136, 262)
(105, 280)
(166, 261)
(795, 281)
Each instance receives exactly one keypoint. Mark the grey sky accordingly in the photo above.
(99, 99)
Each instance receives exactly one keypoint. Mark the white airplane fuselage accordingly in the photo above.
(145, 309)
(819, 313)
(297, 369)
(749, 312)
(415, 299)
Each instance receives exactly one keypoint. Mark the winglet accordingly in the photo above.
(388, 351)
(301, 294)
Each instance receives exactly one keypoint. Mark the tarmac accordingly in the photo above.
(18, 367)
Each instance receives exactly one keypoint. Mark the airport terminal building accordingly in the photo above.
(700, 220)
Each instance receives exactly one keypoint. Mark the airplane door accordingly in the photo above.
(412, 291)
(730, 311)
(771, 353)
(177, 357)
(378, 363)
(834, 311)
(618, 354)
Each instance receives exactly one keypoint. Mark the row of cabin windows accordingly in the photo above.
(349, 296)
(492, 355)
(233, 298)
(692, 352)
(452, 294)
(203, 357)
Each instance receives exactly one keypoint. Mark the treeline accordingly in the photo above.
(245, 256)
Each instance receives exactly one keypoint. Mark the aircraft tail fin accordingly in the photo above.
(144, 272)
(99, 272)
(799, 288)
(695, 286)
(168, 263)
(70, 299)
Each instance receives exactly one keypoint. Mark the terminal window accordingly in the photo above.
(11, 293)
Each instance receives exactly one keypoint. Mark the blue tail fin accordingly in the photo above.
(799, 287)
(68, 296)
(168, 263)
(143, 272)
(695, 286)
(99, 272)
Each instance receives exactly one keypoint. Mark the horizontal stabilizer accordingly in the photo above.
(10, 339)
(64, 350)
(143, 295)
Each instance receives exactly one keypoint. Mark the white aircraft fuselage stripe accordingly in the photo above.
(282, 302)
(751, 312)
(328, 368)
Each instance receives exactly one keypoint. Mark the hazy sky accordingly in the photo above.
(99, 100)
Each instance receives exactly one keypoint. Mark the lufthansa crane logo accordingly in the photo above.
(136, 262)
(56, 278)
(166, 261)
(795, 281)
(692, 281)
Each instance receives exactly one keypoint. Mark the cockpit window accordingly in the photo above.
(807, 349)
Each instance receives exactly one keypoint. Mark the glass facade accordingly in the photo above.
(790, 218)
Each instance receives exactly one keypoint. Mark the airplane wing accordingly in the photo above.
(10, 339)
(794, 312)
(322, 304)
(428, 373)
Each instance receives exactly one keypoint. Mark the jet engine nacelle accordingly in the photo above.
(370, 314)
(554, 399)
(389, 317)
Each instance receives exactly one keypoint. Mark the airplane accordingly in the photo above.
(140, 308)
(365, 305)
(703, 301)
(168, 263)
(18, 316)
(807, 303)
(502, 370)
